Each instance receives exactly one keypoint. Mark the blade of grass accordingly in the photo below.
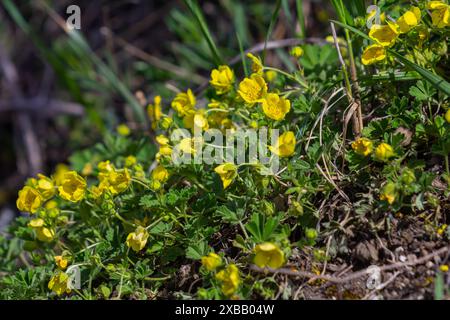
(104, 69)
(195, 10)
(273, 19)
(241, 50)
(301, 18)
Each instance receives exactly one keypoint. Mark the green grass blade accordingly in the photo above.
(301, 18)
(432, 78)
(195, 10)
(273, 19)
(241, 50)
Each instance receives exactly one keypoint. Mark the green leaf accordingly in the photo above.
(197, 13)
(197, 251)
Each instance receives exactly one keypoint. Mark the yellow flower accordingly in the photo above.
(137, 240)
(160, 174)
(285, 146)
(59, 283)
(442, 229)
(296, 52)
(409, 20)
(130, 161)
(257, 66)
(389, 193)
(222, 79)
(384, 35)
(61, 262)
(36, 223)
(118, 181)
(105, 166)
(447, 116)
(227, 173)
(443, 268)
(162, 140)
(373, 13)
(60, 170)
(383, 152)
(268, 255)
(166, 122)
(43, 234)
(253, 89)
(154, 112)
(230, 279)
(440, 14)
(97, 191)
(373, 53)
(123, 130)
(270, 75)
(187, 145)
(72, 187)
(362, 146)
(184, 102)
(29, 200)
(275, 107)
(45, 186)
(87, 169)
(165, 151)
(211, 261)
(195, 119)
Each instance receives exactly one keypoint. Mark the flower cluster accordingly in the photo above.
(410, 23)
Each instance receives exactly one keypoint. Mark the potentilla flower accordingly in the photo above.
(383, 152)
(372, 13)
(230, 279)
(154, 111)
(195, 119)
(165, 123)
(45, 186)
(130, 161)
(60, 170)
(29, 200)
(409, 20)
(252, 90)
(285, 146)
(43, 233)
(212, 261)
(447, 116)
(184, 102)
(105, 166)
(162, 140)
(296, 52)
(123, 130)
(270, 75)
(118, 181)
(275, 107)
(373, 53)
(160, 173)
(138, 239)
(59, 283)
(257, 66)
(268, 255)
(222, 79)
(440, 13)
(384, 35)
(73, 187)
(362, 146)
(227, 173)
(389, 193)
(61, 262)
